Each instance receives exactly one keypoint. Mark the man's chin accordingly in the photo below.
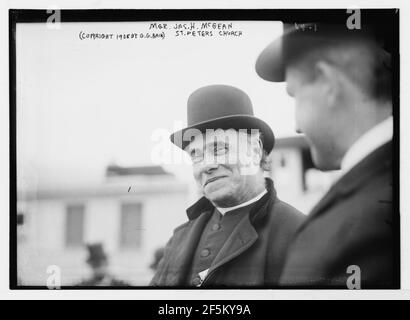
(322, 162)
(214, 195)
(217, 196)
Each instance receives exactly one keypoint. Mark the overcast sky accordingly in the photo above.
(82, 104)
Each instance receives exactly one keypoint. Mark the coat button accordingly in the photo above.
(205, 253)
(196, 281)
(216, 226)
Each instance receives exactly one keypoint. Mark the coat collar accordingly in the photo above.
(187, 239)
(378, 160)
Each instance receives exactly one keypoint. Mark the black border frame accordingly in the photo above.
(388, 17)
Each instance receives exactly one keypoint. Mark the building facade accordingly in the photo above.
(132, 214)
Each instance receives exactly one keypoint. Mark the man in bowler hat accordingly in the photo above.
(98, 261)
(340, 80)
(237, 234)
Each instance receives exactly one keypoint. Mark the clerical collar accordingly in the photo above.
(225, 210)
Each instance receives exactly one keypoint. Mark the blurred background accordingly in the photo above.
(97, 178)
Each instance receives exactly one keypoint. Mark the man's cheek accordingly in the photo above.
(302, 115)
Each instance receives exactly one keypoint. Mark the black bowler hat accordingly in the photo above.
(300, 38)
(222, 107)
(96, 254)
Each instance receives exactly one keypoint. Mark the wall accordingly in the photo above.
(41, 240)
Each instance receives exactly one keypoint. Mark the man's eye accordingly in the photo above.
(220, 150)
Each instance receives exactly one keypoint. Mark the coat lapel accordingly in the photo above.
(241, 238)
(244, 235)
(187, 239)
(379, 159)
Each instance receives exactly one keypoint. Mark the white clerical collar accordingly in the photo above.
(367, 143)
(225, 210)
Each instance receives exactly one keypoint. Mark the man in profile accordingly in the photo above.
(238, 232)
(340, 80)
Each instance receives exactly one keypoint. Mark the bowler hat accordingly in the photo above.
(298, 39)
(96, 254)
(222, 107)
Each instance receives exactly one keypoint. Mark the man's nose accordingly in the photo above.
(209, 164)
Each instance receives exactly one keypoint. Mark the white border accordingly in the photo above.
(5, 293)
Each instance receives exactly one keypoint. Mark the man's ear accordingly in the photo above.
(257, 147)
(328, 76)
(260, 147)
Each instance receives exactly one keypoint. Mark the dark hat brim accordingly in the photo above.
(295, 42)
(270, 64)
(236, 122)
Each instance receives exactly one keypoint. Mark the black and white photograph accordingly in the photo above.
(171, 149)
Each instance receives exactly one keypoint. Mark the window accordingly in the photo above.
(75, 225)
(131, 225)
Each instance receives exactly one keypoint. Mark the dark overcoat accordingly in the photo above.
(253, 255)
(351, 236)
